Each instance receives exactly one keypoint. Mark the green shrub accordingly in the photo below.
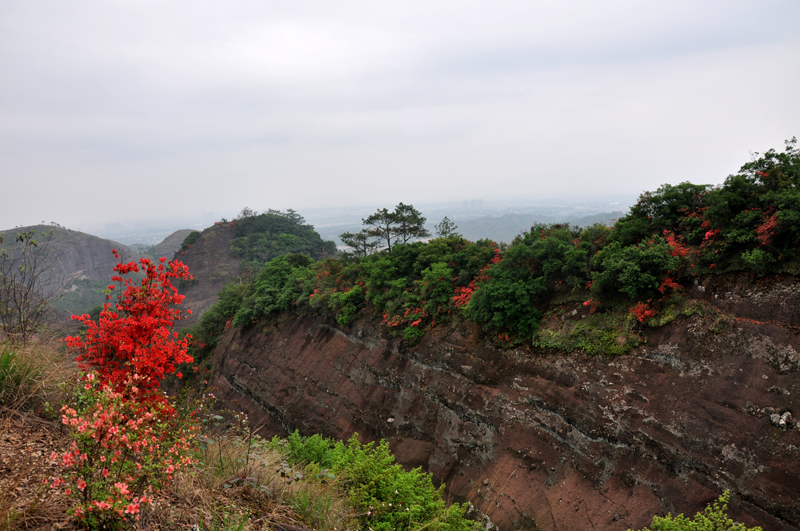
(635, 271)
(386, 496)
(277, 288)
(712, 519)
(190, 240)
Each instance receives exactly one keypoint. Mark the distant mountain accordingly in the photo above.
(505, 228)
(83, 264)
(168, 247)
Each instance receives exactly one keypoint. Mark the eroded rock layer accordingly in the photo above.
(548, 440)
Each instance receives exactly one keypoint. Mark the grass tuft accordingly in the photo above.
(30, 376)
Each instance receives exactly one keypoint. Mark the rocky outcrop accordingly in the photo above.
(547, 440)
(211, 264)
(83, 265)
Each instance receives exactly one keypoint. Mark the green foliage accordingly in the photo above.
(634, 270)
(262, 237)
(207, 333)
(504, 304)
(750, 222)
(363, 242)
(390, 228)
(436, 288)
(277, 288)
(347, 304)
(538, 263)
(609, 333)
(446, 228)
(190, 240)
(713, 518)
(386, 496)
(758, 260)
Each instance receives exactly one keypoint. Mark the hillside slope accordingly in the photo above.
(546, 440)
(83, 264)
(239, 249)
(167, 247)
(212, 265)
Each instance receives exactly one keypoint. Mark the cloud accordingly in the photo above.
(184, 107)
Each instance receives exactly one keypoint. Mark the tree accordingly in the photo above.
(28, 284)
(410, 223)
(361, 242)
(397, 227)
(382, 225)
(247, 212)
(446, 228)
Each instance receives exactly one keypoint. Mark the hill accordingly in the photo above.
(238, 249)
(167, 247)
(82, 263)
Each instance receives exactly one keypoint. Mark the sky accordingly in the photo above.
(113, 111)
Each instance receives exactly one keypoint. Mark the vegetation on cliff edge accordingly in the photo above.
(634, 274)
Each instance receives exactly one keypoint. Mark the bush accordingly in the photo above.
(635, 271)
(277, 288)
(712, 519)
(121, 449)
(190, 240)
(386, 496)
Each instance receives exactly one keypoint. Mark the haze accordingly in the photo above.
(114, 111)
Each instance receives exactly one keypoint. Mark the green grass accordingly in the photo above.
(21, 378)
(610, 333)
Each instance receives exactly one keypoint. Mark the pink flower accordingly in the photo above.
(81, 484)
(132, 508)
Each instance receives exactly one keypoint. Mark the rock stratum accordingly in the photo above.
(555, 441)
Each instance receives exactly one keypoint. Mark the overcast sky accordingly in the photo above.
(117, 110)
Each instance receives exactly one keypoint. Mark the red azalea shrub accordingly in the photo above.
(134, 336)
(644, 311)
(121, 449)
(767, 229)
(127, 437)
(464, 295)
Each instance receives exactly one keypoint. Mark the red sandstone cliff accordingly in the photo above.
(211, 264)
(544, 440)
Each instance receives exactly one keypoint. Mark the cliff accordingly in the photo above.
(546, 440)
(211, 264)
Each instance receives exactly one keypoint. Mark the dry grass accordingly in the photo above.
(240, 483)
(243, 484)
(30, 375)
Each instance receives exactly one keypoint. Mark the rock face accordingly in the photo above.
(548, 440)
(211, 264)
(83, 265)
